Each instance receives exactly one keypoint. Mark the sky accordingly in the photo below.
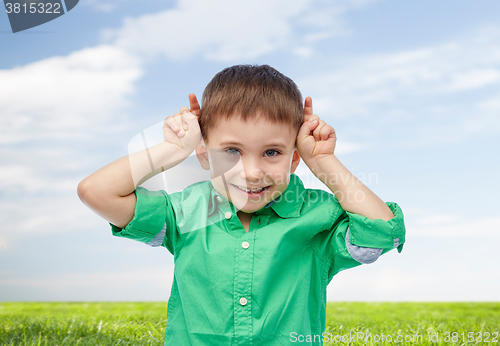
(412, 90)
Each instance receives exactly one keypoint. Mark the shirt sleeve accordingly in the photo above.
(357, 239)
(153, 222)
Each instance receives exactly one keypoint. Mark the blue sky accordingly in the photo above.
(411, 88)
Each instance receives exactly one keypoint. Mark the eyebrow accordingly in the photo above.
(277, 145)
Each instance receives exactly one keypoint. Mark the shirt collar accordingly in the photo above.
(287, 205)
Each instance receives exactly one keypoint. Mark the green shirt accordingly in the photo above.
(265, 286)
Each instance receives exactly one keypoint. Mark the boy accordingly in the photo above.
(253, 249)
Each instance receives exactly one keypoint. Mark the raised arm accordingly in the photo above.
(109, 190)
(316, 144)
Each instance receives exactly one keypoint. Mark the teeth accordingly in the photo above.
(251, 190)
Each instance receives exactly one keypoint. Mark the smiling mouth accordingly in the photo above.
(252, 190)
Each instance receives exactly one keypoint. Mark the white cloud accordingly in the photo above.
(104, 6)
(384, 282)
(428, 93)
(150, 284)
(226, 30)
(428, 269)
(451, 226)
(3, 243)
(490, 105)
(303, 52)
(380, 78)
(64, 97)
(437, 219)
(47, 109)
(389, 282)
(42, 215)
(31, 179)
(222, 30)
(93, 279)
(473, 79)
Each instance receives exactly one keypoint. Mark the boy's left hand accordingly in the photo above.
(316, 139)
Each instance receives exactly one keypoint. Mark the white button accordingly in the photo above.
(228, 215)
(245, 245)
(219, 198)
(243, 301)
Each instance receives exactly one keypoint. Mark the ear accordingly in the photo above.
(202, 155)
(295, 161)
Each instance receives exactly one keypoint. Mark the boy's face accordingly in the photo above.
(250, 161)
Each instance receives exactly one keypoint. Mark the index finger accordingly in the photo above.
(308, 108)
(194, 105)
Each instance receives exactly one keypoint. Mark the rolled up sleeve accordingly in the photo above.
(357, 240)
(153, 222)
(377, 233)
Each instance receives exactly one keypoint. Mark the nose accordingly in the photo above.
(251, 170)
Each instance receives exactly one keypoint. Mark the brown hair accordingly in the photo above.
(248, 89)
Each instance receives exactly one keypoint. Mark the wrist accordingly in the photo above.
(329, 170)
(166, 155)
(155, 159)
(322, 164)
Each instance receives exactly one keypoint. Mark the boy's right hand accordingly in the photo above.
(110, 190)
(183, 128)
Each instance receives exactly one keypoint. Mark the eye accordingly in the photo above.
(272, 153)
(232, 151)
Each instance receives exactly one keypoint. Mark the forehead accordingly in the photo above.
(254, 131)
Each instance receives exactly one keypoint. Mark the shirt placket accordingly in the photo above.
(243, 274)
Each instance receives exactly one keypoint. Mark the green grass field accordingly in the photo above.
(356, 323)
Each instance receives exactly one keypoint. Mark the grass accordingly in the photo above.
(82, 323)
(144, 323)
(414, 321)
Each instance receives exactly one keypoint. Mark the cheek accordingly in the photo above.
(282, 167)
(279, 175)
(219, 185)
(226, 167)
(222, 163)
